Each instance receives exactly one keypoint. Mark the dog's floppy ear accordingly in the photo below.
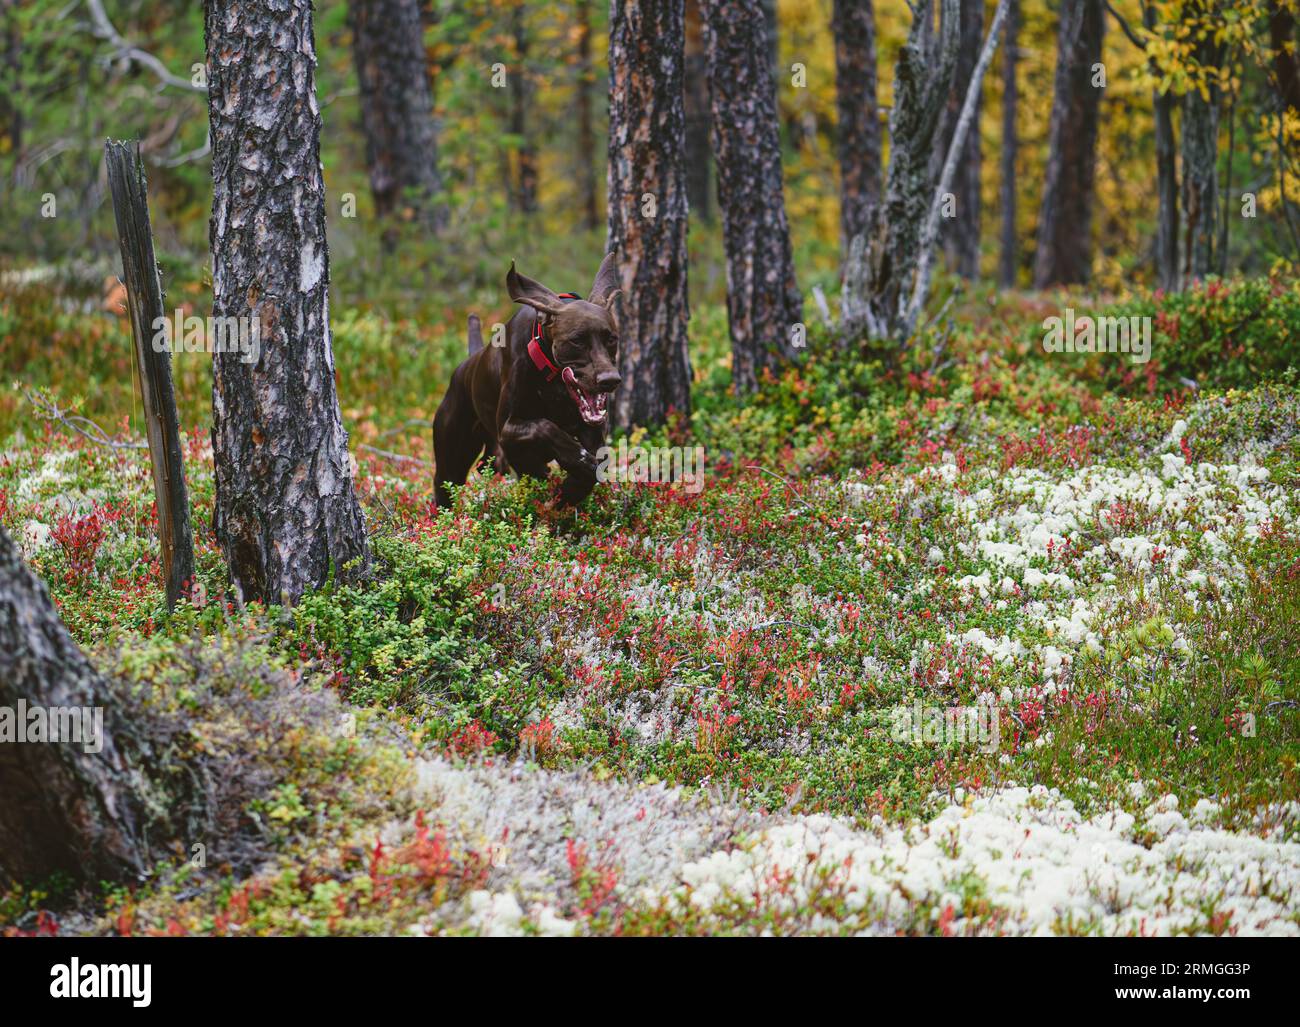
(524, 290)
(607, 280)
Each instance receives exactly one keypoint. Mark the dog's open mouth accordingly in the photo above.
(591, 405)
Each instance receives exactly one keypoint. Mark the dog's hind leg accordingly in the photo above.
(457, 442)
(493, 460)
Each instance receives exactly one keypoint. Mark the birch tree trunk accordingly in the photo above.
(880, 272)
(1065, 220)
(965, 125)
(286, 514)
(648, 208)
(396, 108)
(853, 24)
(763, 300)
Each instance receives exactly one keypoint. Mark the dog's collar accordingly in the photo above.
(538, 355)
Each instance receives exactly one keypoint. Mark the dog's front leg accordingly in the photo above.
(531, 445)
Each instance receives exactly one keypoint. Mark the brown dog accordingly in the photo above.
(541, 396)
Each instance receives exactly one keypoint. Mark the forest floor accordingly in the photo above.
(1003, 642)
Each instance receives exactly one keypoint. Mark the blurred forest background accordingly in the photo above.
(520, 166)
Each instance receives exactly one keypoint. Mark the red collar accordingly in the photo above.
(540, 360)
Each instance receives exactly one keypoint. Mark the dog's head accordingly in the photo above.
(583, 336)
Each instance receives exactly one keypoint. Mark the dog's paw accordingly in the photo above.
(576, 488)
(588, 461)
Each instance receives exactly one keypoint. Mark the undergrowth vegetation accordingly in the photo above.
(620, 719)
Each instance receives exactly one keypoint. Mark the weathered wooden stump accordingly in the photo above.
(145, 301)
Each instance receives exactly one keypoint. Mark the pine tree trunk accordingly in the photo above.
(853, 24)
(1200, 184)
(763, 300)
(11, 78)
(586, 131)
(648, 209)
(89, 815)
(1166, 183)
(1200, 130)
(520, 122)
(1282, 41)
(961, 233)
(1065, 219)
(1009, 257)
(286, 513)
(699, 164)
(772, 37)
(396, 108)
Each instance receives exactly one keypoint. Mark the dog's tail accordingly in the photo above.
(475, 335)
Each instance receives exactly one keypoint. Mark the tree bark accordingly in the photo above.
(965, 125)
(1286, 73)
(396, 108)
(961, 233)
(763, 300)
(1200, 160)
(880, 272)
(853, 24)
(586, 130)
(520, 121)
(1225, 215)
(772, 37)
(699, 164)
(89, 815)
(648, 208)
(286, 514)
(11, 77)
(1009, 256)
(1064, 253)
(1200, 184)
(1166, 182)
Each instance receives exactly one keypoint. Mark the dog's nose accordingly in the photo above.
(608, 381)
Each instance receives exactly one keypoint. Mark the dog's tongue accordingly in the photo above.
(591, 407)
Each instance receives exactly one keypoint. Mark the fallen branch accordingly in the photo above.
(413, 422)
(187, 158)
(391, 456)
(784, 481)
(103, 29)
(50, 410)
